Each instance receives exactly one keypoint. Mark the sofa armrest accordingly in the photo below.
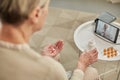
(114, 1)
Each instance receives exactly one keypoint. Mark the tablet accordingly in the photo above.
(106, 31)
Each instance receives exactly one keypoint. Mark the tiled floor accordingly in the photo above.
(61, 24)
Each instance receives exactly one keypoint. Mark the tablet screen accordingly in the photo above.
(106, 30)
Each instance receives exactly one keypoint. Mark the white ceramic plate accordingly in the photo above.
(104, 57)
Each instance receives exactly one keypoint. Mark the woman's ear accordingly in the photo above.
(34, 15)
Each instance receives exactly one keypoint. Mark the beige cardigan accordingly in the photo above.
(20, 62)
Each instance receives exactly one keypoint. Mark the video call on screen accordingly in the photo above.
(106, 30)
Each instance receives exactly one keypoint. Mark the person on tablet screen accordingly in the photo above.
(106, 32)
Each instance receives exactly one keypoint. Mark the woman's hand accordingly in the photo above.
(53, 50)
(87, 58)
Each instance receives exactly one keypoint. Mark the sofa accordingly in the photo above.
(114, 1)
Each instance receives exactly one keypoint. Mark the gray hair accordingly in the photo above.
(16, 11)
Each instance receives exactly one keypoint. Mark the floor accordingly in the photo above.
(94, 6)
(61, 24)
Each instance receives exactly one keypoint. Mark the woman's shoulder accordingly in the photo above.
(36, 61)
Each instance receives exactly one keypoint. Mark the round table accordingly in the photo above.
(85, 32)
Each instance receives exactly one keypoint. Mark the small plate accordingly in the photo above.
(104, 57)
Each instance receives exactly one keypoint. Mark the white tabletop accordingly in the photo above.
(85, 32)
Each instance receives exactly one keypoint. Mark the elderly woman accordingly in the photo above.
(20, 19)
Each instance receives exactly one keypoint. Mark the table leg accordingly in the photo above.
(118, 75)
(118, 66)
(117, 69)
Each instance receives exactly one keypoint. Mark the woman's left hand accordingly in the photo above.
(53, 50)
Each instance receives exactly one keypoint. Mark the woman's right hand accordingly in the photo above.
(52, 50)
(87, 58)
